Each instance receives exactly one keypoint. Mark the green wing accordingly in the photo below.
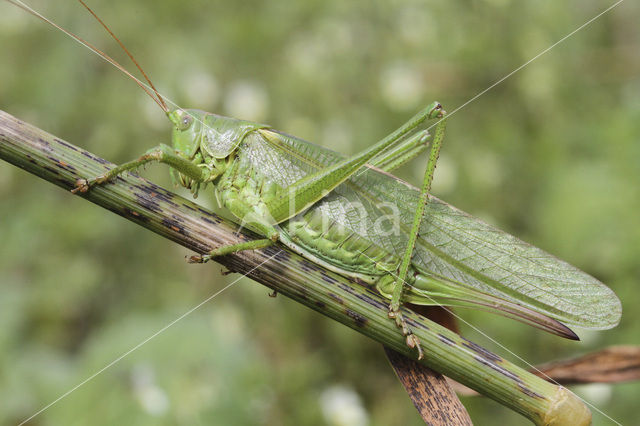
(452, 243)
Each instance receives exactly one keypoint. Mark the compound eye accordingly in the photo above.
(185, 121)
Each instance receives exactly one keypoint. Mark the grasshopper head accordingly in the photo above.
(188, 139)
(187, 127)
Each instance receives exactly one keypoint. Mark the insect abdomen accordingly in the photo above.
(338, 245)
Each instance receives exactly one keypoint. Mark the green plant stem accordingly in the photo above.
(352, 304)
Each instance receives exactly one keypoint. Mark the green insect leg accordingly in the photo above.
(396, 299)
(253, 222)
(233, 248)
(413, 146)
(162, 154)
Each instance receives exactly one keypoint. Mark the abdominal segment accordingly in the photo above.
(338, 245)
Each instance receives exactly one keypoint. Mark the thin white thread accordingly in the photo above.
(136, 347)
(531, 60)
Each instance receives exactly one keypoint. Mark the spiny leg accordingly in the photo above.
(255, 223)
(396, 299)
(233, 248)
(162, 154)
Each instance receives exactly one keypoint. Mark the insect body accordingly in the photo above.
(458, 260)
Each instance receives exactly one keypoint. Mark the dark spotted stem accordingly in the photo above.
(354, 305)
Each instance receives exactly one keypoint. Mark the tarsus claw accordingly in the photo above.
(414, 342)
(411, 339)
(82, 186)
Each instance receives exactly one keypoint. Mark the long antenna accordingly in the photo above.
(97, 51)
(128, 54)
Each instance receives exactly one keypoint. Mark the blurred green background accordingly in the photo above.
(552, 155)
